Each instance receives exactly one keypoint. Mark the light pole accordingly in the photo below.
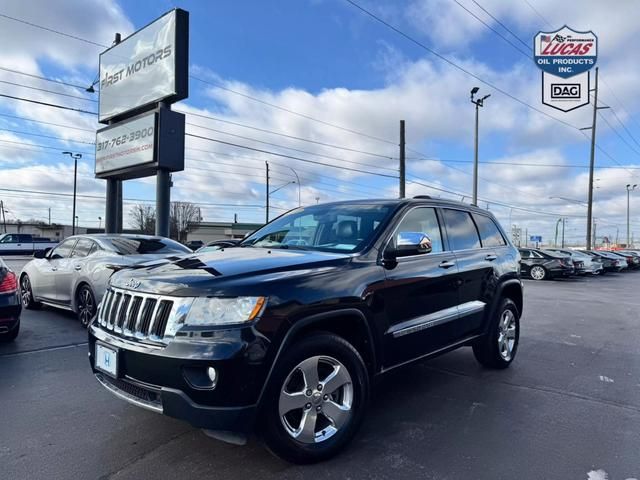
(299, 186)
(75, 157)
(478, 102)
(629, 189)
(75, 223)
(99, 223)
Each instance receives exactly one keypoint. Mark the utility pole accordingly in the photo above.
(4, 219)
(267, 195)
(594, 235)
(478, 103)
(563, 222)
(49, 215)
(75, 157)
(629, 190)
(402, 160)
(592, 162)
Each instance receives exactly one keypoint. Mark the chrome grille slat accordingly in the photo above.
(141, 316)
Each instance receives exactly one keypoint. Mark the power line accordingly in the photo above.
(48, 104)
(47, 136)
(83, 88)
(492, 29)
(289, 156)
(458, 67)
(41, 146)
(538, 14)
(53, 31)
(290, 148)
(624, 140)
(503, 25)
(50, 91)
(293, 112)
(46, 123)
(293, 137)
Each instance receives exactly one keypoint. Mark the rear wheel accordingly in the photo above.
(499, 346)
(538, 272)
(26, 294)
(316, 399)
(86, 305)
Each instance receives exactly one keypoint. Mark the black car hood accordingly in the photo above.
(227, 267)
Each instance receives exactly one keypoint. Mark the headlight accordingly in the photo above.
(224, 311)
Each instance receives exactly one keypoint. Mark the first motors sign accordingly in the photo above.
(565, 57)
(147, 67)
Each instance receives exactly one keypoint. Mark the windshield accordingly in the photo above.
(332, 228)
(144, 246)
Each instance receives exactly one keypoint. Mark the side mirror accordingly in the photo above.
(410, 243)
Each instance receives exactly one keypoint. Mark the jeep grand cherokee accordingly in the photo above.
(284, 334)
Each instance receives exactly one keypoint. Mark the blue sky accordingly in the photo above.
(327, 60)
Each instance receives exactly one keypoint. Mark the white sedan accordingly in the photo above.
(74, 275)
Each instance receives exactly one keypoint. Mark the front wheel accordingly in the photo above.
(538, 272)
(86, 305)
(316, 399)
(498, 347)
(26, 294)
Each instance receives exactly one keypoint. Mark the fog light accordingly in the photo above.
(213, 375)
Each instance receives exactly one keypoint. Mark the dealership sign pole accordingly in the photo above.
(140, 77)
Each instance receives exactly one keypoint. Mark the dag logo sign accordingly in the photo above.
(565, 57)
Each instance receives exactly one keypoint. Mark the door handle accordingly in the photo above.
(491, 257)
(78, 267)
(446, 264)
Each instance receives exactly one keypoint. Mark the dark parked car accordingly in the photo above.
(218, 245)
(194, 244)
(544, 264)
(10, 307)
(633, 262)
(609, 262)
(286, 332)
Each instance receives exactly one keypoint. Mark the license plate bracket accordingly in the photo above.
(106, 359)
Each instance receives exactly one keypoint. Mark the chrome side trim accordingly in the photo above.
(129, 398)
(436, 318)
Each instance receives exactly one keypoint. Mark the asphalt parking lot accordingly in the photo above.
(569, 408)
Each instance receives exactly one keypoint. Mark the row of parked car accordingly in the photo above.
(543, 264)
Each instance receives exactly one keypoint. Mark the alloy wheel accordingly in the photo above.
(506, 334)
(86, 306)
(25, 291)
(316, 399)
(537, 273)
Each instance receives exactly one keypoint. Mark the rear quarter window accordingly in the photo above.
(489, 232)
(461, 231)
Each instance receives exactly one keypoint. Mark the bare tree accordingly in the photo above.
(182, 216)
(143, 218)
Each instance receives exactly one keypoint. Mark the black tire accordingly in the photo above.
(26, 294)
(490, 350)
(11, 336)
(85, 305)
(275, 435)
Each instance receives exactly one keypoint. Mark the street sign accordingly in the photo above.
(535, 238)
(138, 147)
(147, 67)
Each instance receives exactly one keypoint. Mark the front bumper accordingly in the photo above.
(168, 379)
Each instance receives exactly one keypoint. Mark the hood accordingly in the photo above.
(230, 267)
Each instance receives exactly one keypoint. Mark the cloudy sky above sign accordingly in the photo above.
(259, 61)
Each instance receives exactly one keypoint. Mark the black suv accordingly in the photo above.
(284, 333)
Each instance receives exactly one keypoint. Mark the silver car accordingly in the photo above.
(74, 275)
(589, 264)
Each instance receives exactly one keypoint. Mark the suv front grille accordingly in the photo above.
(137, 315)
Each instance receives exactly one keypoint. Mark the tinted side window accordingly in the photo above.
(422, 220)
(489, 233)
(63, 250)
(82, 248)
(22, 238)
(461, 230)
